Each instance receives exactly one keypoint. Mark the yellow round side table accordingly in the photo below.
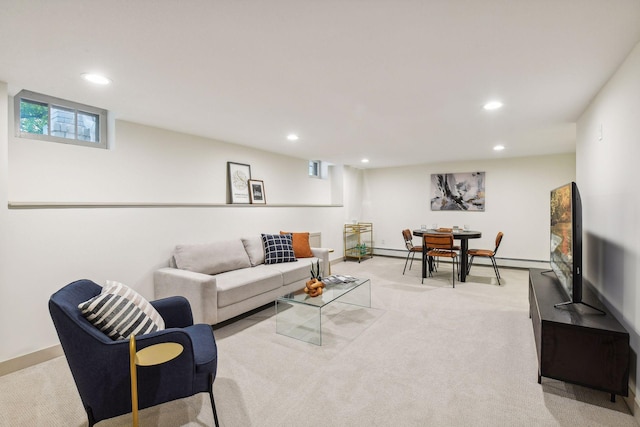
(156, 354)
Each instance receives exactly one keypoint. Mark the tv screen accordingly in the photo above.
(566, 239)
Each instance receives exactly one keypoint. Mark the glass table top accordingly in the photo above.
(330, 293)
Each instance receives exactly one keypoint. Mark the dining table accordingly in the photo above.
(458, 234)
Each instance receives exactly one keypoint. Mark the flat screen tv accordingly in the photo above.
(566, 239)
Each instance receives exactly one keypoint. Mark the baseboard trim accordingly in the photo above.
(502, 262)
(31, 359)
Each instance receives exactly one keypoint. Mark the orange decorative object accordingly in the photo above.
(314, 287)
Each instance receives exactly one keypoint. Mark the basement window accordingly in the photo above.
(52, 119)
(314, 169)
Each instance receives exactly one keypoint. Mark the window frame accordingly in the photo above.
(77, 109)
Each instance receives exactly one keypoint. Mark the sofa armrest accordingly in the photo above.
(175, 311)
(323, 254)
(199, 289)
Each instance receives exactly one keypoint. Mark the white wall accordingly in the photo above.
(6, 321)
(353, 193)
(153, 165)
(41, 250)
(517, 202)
(607, 174)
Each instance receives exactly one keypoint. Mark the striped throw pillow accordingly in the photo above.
(121, 313)
(113, 287)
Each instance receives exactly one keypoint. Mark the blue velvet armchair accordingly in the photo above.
(100, 366)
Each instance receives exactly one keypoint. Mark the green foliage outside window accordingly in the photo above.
(34, 117)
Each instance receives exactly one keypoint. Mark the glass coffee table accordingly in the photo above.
(300, 316)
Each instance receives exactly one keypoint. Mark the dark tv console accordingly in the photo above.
(575, 343)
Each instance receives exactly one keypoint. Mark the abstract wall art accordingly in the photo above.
(457, 191)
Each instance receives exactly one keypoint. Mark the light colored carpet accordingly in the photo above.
(424, 354)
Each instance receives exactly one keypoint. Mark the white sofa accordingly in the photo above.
(224, 279)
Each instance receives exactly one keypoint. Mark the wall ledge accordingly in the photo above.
(136, 205)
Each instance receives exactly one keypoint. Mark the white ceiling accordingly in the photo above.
(396, 81)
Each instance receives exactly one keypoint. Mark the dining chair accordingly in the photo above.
(440, 246)
(487, 253)
(447, 230)
(408, 242)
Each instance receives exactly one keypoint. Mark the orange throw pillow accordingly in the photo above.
(301, 247)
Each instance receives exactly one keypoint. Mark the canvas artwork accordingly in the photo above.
(457, 191)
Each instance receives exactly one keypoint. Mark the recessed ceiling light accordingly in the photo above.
(365, 160)
(498, 147)
(292, 137)
(96, 78)
(492, 105)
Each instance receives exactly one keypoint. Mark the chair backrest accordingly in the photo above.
(498, 241)
(72, 327)
(408, 238)
(438, 241)
(87, 349)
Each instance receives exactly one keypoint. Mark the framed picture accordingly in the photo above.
(238, 175)
(457, 191)
(256, 191)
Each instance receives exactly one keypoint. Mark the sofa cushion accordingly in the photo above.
(239, 285)
(301, 247)
(255, 249)
(294, 272)
(278, 248)
(212, 258)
